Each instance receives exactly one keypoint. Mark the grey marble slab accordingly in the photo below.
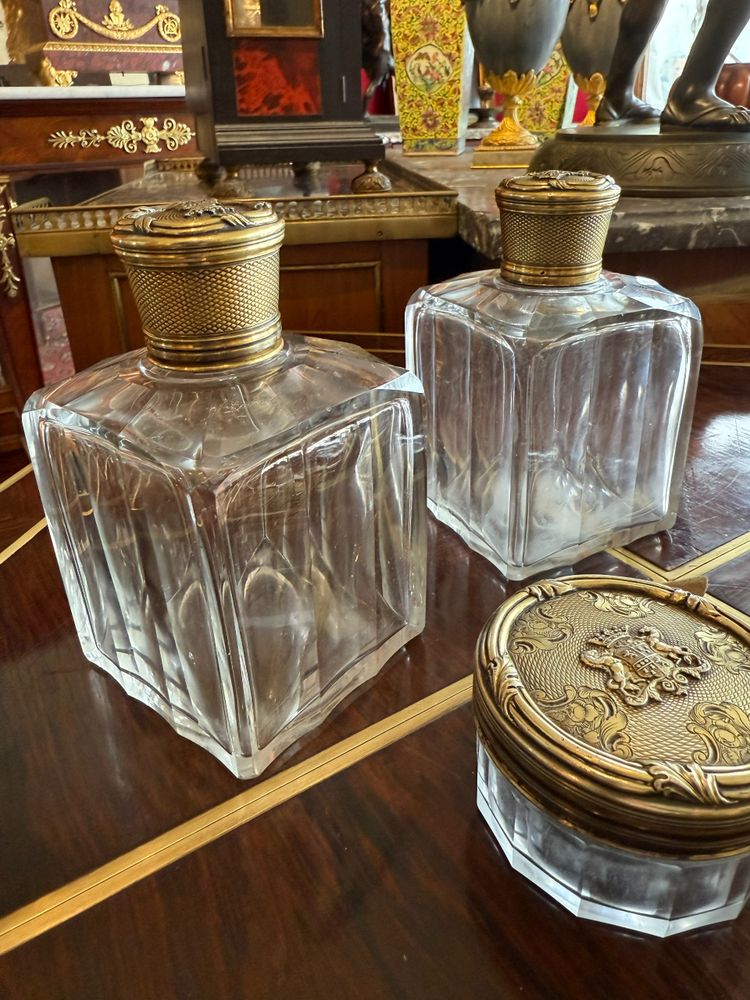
(638, 224)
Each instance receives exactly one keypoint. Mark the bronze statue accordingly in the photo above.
(692, 101)
(377, 51)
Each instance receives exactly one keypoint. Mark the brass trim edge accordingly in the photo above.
(718, 556)
(15, 478)
(638, 562)
(728, 609)
(698, 566)
(20, 542)
(83, 893)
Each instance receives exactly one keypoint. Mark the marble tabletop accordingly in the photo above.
(638, 224)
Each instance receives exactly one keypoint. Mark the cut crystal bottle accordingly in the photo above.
(239, 517)
(559, 398)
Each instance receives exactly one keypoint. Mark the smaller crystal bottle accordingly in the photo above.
(238, 515)
(559, 398)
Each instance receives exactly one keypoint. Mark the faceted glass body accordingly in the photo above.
(240, 550)
(557, 419)
(640, 892)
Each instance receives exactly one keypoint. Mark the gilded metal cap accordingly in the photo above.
(553, 226)
(205, 277)
(623, 708)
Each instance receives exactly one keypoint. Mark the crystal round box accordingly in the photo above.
(613, 721)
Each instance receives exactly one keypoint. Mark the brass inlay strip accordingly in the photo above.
(20, 542)
(698, 566)
(16, 477)
(83, 893)
(716, 557)
(638, 562)
(726, 364)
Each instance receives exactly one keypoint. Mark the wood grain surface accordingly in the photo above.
(27, 126)
(382, 883)
(20, 508)
(90, 773)
(715, 505)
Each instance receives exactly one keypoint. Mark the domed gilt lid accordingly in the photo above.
(622, 707)
(205, 277)
(553, 225)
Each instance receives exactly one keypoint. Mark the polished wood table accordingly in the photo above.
(133, 866)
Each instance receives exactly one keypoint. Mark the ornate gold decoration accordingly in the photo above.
(52, 77)
(694, 602)
(610, 759)
(372, 181)
(725, 729)
(146, 219)
(540, 628)
(724, 649)
(127, 137)
(205, 278)
(399, 214)
(591, 715)
(510, 133)
(64, 20)
(642, 666)
(554, 224)
(592, 87)
(627, 605)
(548, 588)
(686, 781)
(116, 20)
(505, 681)
(9, 280)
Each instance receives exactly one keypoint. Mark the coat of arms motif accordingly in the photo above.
(641, 665)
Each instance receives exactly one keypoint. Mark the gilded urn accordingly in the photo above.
(513, 40)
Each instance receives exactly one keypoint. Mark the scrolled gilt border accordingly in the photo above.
(64, 20)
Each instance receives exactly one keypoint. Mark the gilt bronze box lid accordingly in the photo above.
(622, 707)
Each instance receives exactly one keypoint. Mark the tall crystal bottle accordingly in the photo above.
(238, 516)
(559, 398)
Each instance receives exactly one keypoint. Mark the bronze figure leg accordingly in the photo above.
(639, 20)
(692, 100)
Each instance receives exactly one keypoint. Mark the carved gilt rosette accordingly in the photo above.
(622, 707)
(513, 40)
